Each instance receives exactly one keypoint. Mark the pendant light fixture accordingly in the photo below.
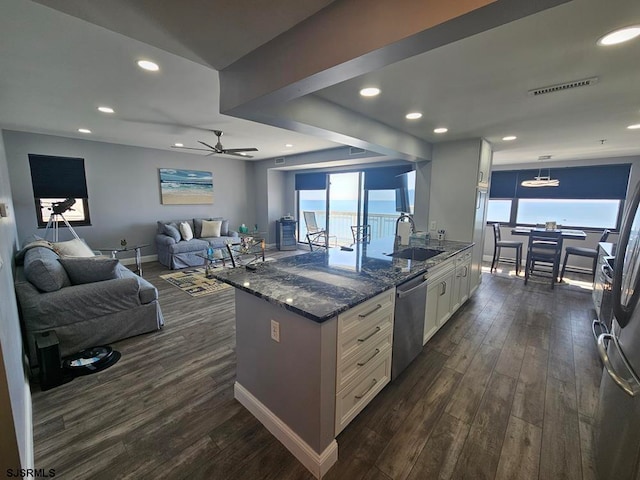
(540, 180)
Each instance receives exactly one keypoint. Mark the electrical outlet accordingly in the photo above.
(275, 331)
(433, 225)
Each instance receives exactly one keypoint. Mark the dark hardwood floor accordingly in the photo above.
(507, 389)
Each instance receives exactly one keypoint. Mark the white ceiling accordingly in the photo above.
(478, 86)
(56, 69)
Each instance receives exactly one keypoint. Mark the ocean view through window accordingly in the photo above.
(349, 205)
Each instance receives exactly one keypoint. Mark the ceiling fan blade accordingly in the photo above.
(189, 148)
(227, 152)
(206, 144)
(237, 150)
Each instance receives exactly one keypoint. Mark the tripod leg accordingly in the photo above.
(49, 224)
(69, 227)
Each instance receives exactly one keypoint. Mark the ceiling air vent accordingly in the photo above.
(563, 86)
(356, 150)
(279, 161)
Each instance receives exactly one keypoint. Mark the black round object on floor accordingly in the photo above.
(91, 360)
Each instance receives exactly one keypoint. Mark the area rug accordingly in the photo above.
(194, 282)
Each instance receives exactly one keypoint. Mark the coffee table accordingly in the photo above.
(248, 246)
(217, 254)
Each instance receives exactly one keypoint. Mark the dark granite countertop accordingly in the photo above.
(320, 284)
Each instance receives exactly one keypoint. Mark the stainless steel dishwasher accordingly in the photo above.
(408, 324)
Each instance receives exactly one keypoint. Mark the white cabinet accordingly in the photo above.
(365, 335)
(448, 287)
(484, 167)
(461, 282)
(440, 286)
(459, 180)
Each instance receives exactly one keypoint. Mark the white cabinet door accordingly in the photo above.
(431, 315)
(445, 289)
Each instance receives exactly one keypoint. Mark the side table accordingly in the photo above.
(128, 248)
(217, 254)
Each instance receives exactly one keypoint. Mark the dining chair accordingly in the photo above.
(498, 244)
(361, 233)
(584, 252)
(316, 236)
(544, 249)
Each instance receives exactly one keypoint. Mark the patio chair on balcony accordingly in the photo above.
(361, 233)
(316, 236)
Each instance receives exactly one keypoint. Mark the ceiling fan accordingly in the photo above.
(219, 149)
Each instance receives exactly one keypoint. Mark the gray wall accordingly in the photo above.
(123, 185)
(16, 435)
(592, 237)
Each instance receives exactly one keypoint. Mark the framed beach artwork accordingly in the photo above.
(185, 187)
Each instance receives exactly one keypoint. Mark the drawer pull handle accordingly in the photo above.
(375, 309)
(370, 335)
(362, 364)
(373, 384)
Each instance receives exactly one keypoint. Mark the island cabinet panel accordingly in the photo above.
(365, 338)
(293, 379)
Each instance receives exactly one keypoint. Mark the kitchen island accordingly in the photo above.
(314, 337)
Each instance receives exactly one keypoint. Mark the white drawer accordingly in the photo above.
(361, 358)
(365, 333)
(360, 317)
(352, 399)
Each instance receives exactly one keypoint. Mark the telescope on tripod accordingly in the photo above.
(57, 215)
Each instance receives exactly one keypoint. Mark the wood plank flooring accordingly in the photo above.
(507, 389)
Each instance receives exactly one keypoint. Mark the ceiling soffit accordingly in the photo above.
(337, 44)
(210, 33)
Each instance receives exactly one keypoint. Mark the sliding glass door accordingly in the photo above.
(345, 205)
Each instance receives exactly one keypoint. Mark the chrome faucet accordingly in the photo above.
(413, 227)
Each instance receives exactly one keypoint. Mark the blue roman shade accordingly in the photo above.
(57, 177)
(599, 182)
(311, 181)
(385, 178)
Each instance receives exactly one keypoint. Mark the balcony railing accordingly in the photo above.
(382, 225)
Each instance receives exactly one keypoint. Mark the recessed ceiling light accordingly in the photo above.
(106, 109)
(413, 115)
(508, 138)
(440, 130)
(288, 145)
(620, 36)
(634, 127)
(243, 154)
(84, 130)
(148, 65)
(178, 145)
(370, 92)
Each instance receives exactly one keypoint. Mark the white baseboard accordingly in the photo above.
(317, 463)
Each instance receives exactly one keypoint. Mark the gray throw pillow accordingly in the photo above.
(90, 269)
(172, 231)
(42, 269)
(224, 229)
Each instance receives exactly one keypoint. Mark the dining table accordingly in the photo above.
(567, 234)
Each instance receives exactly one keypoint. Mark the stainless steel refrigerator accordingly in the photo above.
(617, 447)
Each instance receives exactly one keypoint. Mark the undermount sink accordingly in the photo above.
(415, 253)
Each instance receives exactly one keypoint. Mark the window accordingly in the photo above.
(499, 211)
(76, 214)
(587, 197)
(59, 190)
(598, 214)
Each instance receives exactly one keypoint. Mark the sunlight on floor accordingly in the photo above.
(511, 272)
